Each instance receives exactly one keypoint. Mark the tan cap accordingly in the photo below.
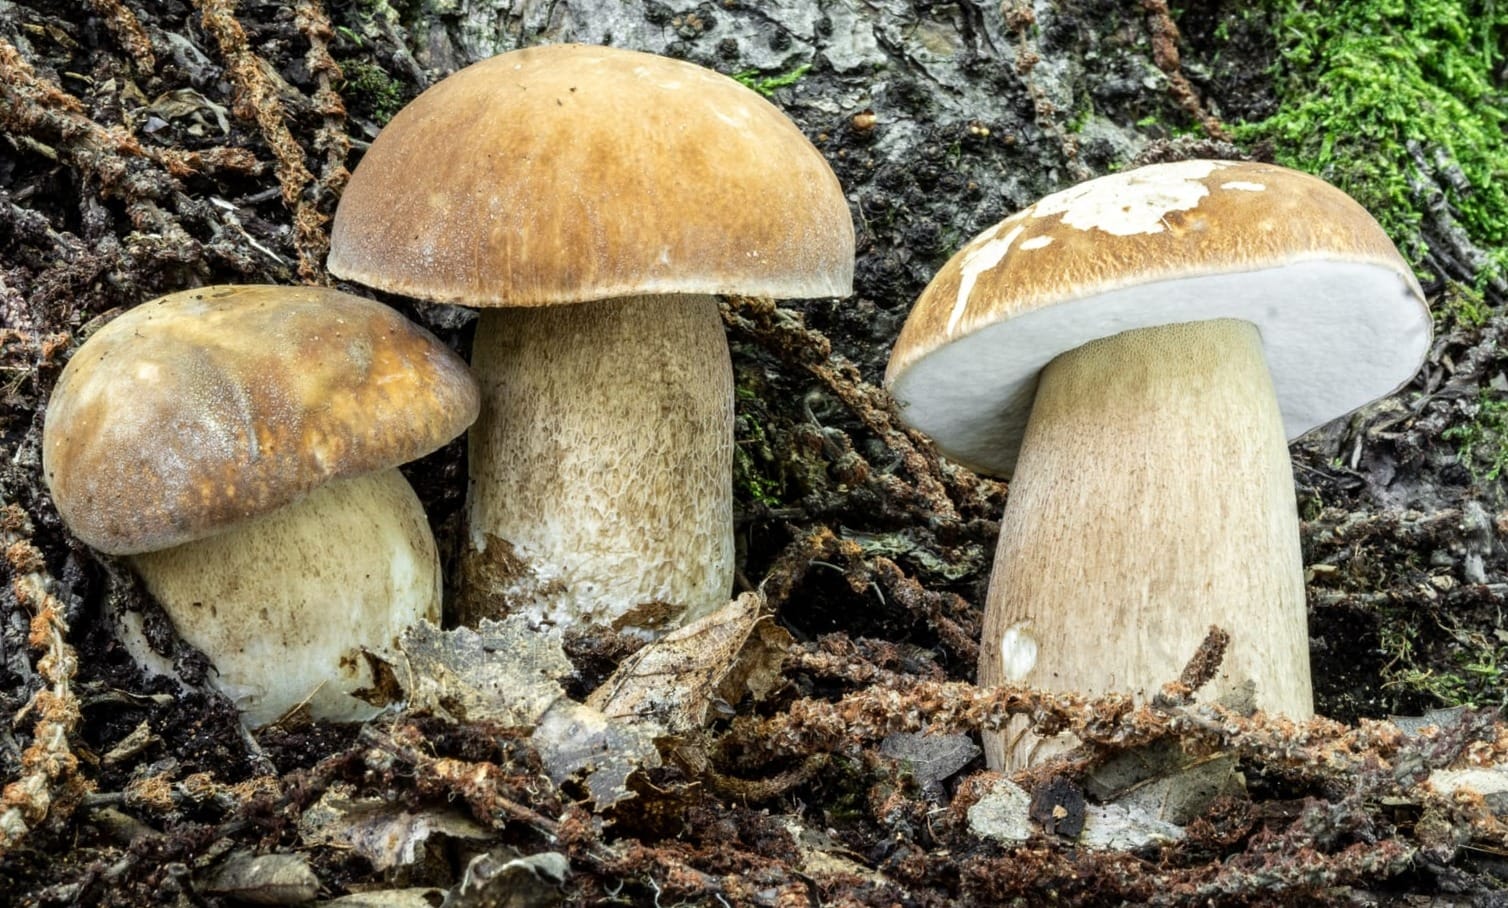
(206, 407)
(567, 173)
(1342, 319)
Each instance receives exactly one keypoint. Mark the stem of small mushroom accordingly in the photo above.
(1153, 498)
(284, 603)
(601, 465)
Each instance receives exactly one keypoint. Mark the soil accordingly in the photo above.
(150, 147)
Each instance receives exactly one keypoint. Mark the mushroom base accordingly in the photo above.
(284, 604)
(601, 465)
(1152, 499)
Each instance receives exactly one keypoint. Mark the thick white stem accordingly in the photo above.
(1153, 498)
(601, 465)
(284, 604)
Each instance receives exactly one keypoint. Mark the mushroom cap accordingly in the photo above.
(203, 408)
(567, 173)
(1342, 318)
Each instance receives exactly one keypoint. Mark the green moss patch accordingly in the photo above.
(1381, 97)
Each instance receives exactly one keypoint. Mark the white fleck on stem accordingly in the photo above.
(601, 465)
(1153, 498)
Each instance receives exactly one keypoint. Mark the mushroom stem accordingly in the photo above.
(601, 465)
(283, 604)
(1153, 498)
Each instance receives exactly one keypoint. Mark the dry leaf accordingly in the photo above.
(503, 671)
(382, 832)
(506, 672)
(673, 681)
(930, 758)
(577, 740)
(265, 879)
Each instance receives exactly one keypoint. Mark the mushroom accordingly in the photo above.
(1134, 352)
(239, 445)
(599, 198)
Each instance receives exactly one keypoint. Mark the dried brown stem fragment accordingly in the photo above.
(1199, 670)
(48, 785)
(128, 31)
(1165, 54)
(938, 489)
(256, 100)
(1316, 752)
(331, 138)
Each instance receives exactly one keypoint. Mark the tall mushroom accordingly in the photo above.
(1135, 351)
(598, 198)
(240, 446)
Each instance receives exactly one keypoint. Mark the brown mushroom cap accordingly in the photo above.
(1342, 319)
(567, 173)
(202, 408)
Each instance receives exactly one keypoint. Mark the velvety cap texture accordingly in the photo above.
(567, 173)
(203, 408)
(1342, 318)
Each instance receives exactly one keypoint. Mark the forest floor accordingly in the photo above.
(155, 147)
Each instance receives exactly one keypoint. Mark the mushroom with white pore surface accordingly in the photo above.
(1134, 352)
(239, 445)
(592, 200)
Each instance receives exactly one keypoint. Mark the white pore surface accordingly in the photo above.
(1336, 335)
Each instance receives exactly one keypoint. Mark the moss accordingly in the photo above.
(1375, 92)
(1483, 442)
(766, 85)
(755, 468)
(371, 91)
(1471, 672)
(1464, 306)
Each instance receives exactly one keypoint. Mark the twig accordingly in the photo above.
(939, 489)
(1165, 54)
(48, 784)
(256, 99)
(330, 139)
(128, 31)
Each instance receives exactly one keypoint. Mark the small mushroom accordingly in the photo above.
(598, 199)
(1134, 352)
(239, 445)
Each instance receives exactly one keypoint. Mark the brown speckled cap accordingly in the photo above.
(567, 173)
(1342, 319)
(203, 408)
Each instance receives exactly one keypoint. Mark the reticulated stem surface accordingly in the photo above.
(601, 466)
(1153, 498)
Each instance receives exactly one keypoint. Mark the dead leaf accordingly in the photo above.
(930, 758)
(577, 740)
(383, 833)
(503, 879)
(673, 681)
(263, 879)
(503, 671)
(506, 672)
(187, 103)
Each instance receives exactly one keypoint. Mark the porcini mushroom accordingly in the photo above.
(239, 446)
(1134, 352)
(598, 198)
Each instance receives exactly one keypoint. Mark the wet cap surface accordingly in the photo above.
(200, 409)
